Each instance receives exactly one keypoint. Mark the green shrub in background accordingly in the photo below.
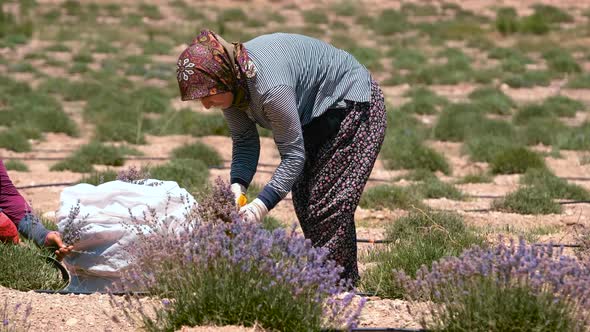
(94, 153)
(563, 106)
(552, 14)
(561, 61)
(575, 138)
(407, 58)
(532, 111)
(543, 130)
(187, 122)
(390, 197)
(188, 173)
(534, 24)
(485, 148)
(418, 239)
(424, 101)
(528, 79)
(435, 188)
(515, 160)
(475, 178)
(198, 151)
(16, 165)
(527, 200)
(580, 81)
(403, 152)
(14, 141)
(492, 100)
(546, 181)
(507, 20)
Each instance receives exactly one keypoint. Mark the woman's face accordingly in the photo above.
(221, 100)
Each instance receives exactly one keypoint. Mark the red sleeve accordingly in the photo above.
(11, 202)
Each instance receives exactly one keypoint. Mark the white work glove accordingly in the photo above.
(254, 212)
(238, 190)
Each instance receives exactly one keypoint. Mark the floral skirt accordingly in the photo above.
(328, 190)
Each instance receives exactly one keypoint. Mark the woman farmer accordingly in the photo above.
(17, 217)
(327, 116)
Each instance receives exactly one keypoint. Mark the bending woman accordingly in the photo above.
(327, 116)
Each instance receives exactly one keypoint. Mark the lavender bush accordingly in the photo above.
(516, 287)
(219, 269)
(15, 319)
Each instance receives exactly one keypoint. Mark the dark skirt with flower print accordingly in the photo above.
(336, 170)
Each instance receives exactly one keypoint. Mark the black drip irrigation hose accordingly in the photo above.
(555, 245)
(67, 292)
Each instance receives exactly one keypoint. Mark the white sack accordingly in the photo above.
(107, 206)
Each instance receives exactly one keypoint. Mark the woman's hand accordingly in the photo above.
(53, 240)
(254, 212)
(239, 194)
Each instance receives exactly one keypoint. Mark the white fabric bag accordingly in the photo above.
(104, 210)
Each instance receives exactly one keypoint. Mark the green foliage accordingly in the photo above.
(435, 188)
(507, 20)
(456, 69)
(390, 197)
(456, 122)
(534, 24)
(543, 130)
(580, 81)
(25, 268)
(418, 10)
(552, 14)
(546, 181)
(527, 200)
(532, 111)
(315, 16)
(16, 165)
(198, 151)
(561, 61)
(192, 123)
(513, 160)
(563, 106)
(13, 140)
(485, 306)
(484, 148)
(345, 8)
(407, 58)
(389, 22)
(424, 101)
(576, 138)
(528, 79)
(418, 239)
(475, 178)
(94, 153)
(150, 11)
(492, 100)
(456, 29)
(189, 174)
(232, 15)
(82, 57)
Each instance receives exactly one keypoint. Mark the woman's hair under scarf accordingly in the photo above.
(210, 65)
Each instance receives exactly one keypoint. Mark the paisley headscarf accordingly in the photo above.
(210, 65)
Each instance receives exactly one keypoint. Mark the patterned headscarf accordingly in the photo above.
(210, 65)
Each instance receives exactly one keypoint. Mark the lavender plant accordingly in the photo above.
(417, 239)
(219, 269)
(14, 319)
(515, 287)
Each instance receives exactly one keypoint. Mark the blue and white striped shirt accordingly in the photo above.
(297, 79)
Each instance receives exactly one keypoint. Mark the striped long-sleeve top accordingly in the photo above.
(297, 79)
